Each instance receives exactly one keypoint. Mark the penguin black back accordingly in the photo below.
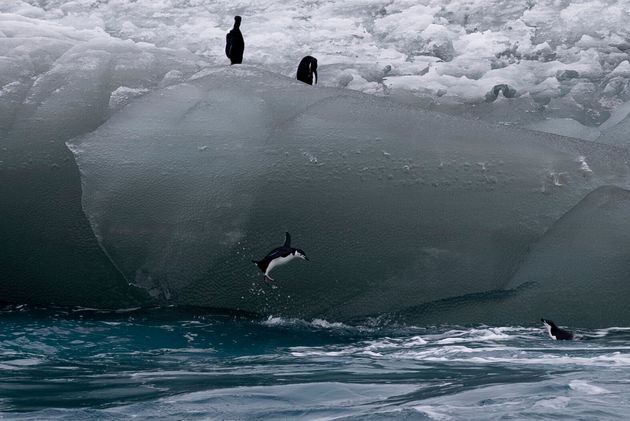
(234, 43)
(279, 256)
(555, 332)
(306, 69)
(281, 251)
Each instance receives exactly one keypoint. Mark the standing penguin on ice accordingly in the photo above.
(306, 69)
(279, 256)
(234, 43)
(555, 332)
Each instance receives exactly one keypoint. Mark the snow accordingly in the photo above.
(441, 53)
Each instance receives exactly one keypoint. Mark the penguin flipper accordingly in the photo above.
(287, 240)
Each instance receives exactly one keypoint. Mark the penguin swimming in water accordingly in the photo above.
(279, 256)
(555, 332)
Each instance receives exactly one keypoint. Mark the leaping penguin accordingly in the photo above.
(555, 332)
(279, 256)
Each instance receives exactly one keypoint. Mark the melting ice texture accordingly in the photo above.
(188, 168)
(397, 207)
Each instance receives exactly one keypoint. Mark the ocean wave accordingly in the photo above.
(315, 324)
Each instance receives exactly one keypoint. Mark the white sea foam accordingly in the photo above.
(432, 412)
(583, 386)
(479, 347)
(553, 403)
(20, 363)
(475, 335)
(518, 357)
(276, 321)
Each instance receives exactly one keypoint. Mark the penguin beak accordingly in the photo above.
(306, 257)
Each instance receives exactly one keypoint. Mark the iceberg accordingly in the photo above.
(54, 88)
(395, 206)
(134, 174)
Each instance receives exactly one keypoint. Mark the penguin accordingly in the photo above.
(306, 69)
(234, 43)
(279, 256)
(555, 332)
(507, 90)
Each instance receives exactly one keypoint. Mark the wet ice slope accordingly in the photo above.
(182, 170)
(395, 206)
(59, 83)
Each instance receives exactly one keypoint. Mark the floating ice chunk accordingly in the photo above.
(123, 95)
(172, 77)
(439, 41)
(567, 74)
(358, 83)
(407, 25)
(344, 80)
(623, 69)
(542, 52)
(584, 92)
(587, 41)
(589, 64)
(614, 87)
(21, 8)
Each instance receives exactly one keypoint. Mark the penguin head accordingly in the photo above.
(237, 21)
(300, 253)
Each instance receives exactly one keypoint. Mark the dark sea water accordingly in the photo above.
(183, 363)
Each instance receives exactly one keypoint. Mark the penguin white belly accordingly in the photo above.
(549, 331)
(278, 262)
